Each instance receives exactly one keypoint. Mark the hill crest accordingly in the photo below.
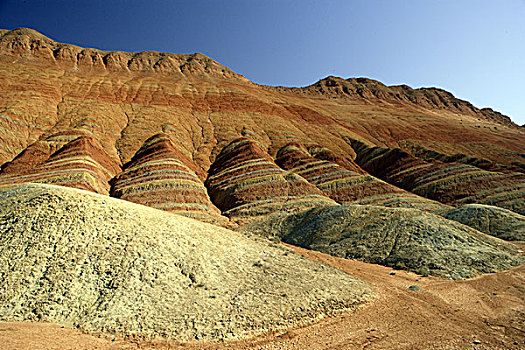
(27, 41)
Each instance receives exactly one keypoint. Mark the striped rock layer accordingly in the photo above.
(81, 163)
(323, 153)
(245, 183)
(163, 176)
(485, 164)
(347, 186)
(450, 183)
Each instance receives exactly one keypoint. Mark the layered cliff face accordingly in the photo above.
(122, 99)
(450, 183)
(346, 186)
(245, 184)
(81, 163)
(183, 133)
(163, 176)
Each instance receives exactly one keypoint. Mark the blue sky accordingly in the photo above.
(472, 48)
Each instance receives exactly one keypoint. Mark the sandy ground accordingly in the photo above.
(487, 312)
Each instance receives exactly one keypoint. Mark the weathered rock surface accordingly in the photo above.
(346, 186)
(122, 99)
(81, 163)
(449, 183)
(103, 264)
(54, 93)
(398, 237)
(481, 163)
(498, 222)
(245, 183)
(74, 116)
(162, 175)
(431, 98)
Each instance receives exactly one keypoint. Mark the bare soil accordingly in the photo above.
(486, 312)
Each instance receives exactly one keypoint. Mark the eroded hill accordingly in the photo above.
(107, 265)
(85, 118)
(398, 176)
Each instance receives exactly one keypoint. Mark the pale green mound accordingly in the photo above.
(406, 238)
(102, 264)
(495, 221)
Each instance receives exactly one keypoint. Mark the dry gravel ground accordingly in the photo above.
(105, 265)
(444, 314)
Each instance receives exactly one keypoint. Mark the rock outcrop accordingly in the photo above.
(346, 186)
(449, 183)
(431, 98)
(163, 176)
(81, 163)
(123, 98)
(245, 183)
(26, 42)
(481, 163)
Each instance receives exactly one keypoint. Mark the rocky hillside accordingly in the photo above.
(450, 183)
(105, 265)
(410, 178)
(397, 237)
(89, 119)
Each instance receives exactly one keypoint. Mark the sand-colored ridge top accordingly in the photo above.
(29, 42)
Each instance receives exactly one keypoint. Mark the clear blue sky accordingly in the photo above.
(473, 48)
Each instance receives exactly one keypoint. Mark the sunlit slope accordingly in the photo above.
(122, 99)
(103, 264)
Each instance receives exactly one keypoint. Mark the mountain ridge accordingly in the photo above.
(24, 39)
(161, 122)
(431, 97)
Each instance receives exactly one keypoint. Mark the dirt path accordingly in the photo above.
(487, 312)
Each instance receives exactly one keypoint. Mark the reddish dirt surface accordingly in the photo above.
(487, 312)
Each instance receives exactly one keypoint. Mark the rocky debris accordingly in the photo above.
(346, 186)
(397, 237)
(105, 265)
(162, 175)
(449, 183)
(494, 221)
(81, 163)
(245, 183)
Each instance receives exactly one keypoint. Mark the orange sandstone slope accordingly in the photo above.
(54, 93)
(122, 99)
